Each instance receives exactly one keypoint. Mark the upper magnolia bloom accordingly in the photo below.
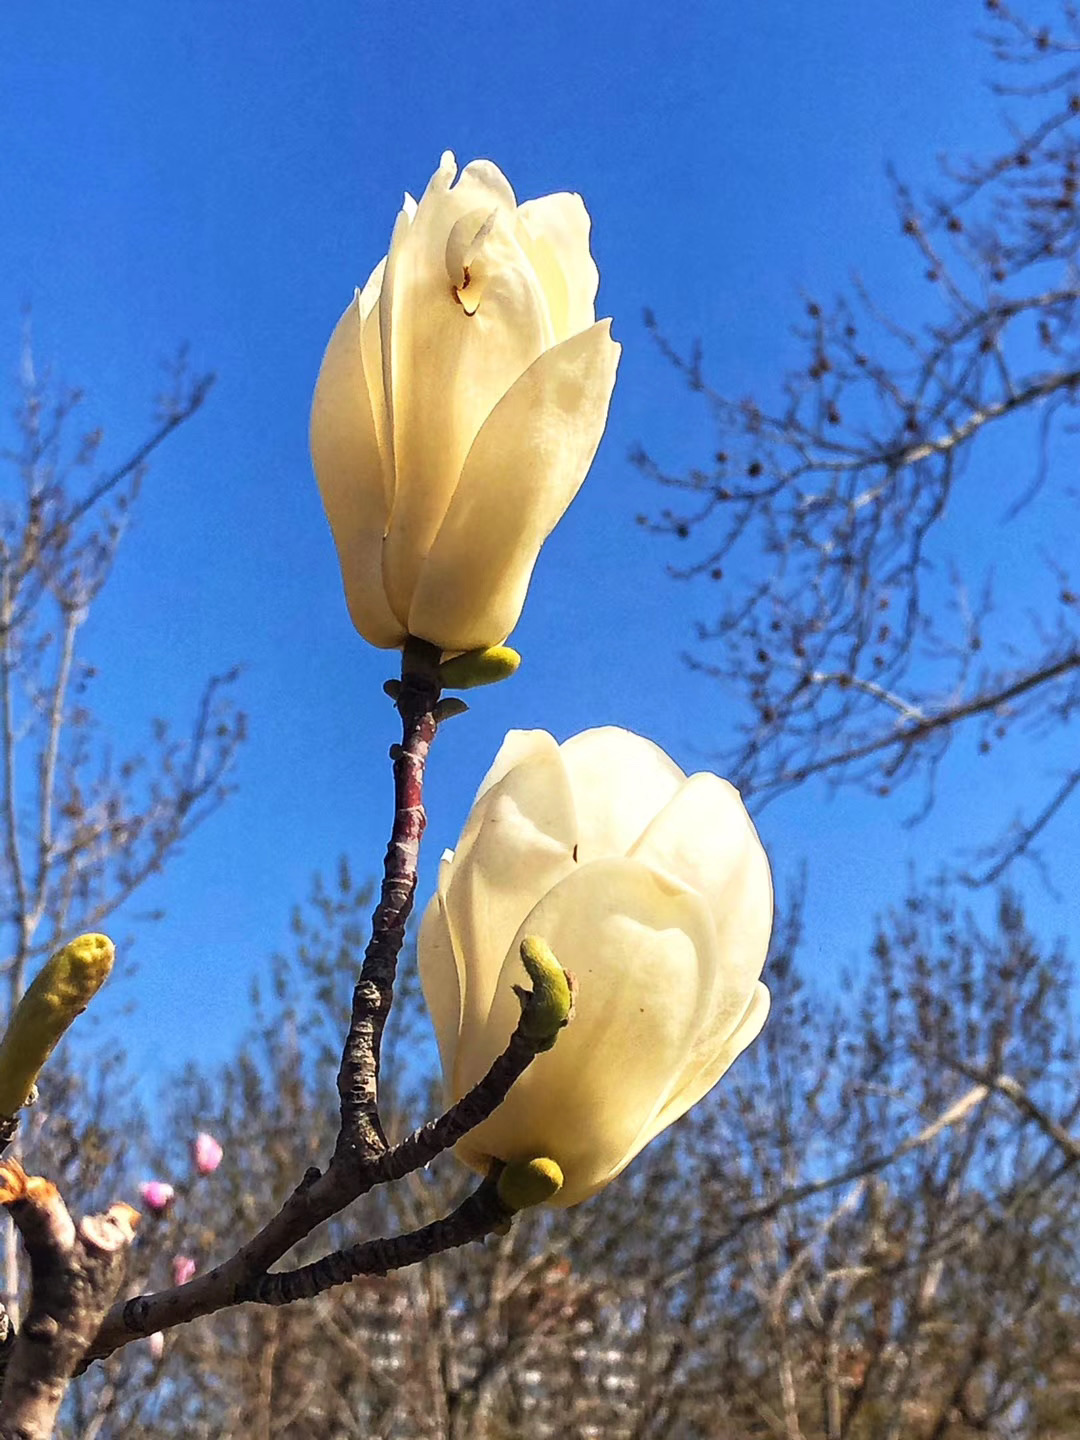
(459, 406)
(653, 889)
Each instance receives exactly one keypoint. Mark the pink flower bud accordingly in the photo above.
(206, 1153)
(156, 1342)
(157, 1195)
(183, 1268)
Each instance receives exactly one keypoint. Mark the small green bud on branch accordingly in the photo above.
(478, 667)
(62, 990)
(550, 1004)
(524, 1183)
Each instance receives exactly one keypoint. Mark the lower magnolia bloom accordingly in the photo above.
(653, 889)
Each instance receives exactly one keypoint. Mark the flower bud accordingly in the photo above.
(61, 991)
(183, 1268)
(157, 1196)
(206, 1153)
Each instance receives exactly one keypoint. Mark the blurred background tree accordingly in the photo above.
(82, 827)
(859, 636)
(871, 1229)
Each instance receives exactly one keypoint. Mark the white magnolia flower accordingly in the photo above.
(653, 889)
(459, 406)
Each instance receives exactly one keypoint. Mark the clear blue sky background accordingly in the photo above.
(227, 172)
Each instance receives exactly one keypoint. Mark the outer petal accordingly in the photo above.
(706, 838)
(639, 945)
(438, 967)
(620, 781)
(556, 240)
(519, 746)
(371, 352)
(527, 464)
(709, 1060)
(450, 366)
(518, 844)
(348, 468)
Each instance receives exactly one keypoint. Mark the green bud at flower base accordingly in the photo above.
(550, 1004)
(524, 1183)
(62, 990)
(478, 667)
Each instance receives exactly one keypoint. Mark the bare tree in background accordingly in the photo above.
(82, 826)
(825, 512)
(870, 1232)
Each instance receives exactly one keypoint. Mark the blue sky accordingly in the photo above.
(226, 173)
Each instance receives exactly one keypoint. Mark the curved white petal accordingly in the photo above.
(439, 979)
(557, 242)
(526, 465)
(450, 361)
(708, 1061)
(518, 746)
(348, 468)
(518, 843)
(639, 946)
(371, 353)
(620, 780)
(705, 837)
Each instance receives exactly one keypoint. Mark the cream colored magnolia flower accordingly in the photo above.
(459, 406)
(653, 889)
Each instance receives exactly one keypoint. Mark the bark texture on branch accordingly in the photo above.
(75, 1273)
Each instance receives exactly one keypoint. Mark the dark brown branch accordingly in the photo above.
(423, 1145)
(317, 1198)
(474, 1218)
(361, 1134)
(75, 1273)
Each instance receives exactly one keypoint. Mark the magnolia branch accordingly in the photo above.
(362, 1156)
(75, 1272)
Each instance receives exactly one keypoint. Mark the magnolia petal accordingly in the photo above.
(518, 747)
(708, 1062)
(390, 337)
(517, 845)
(620, 781)
(640, 947)
(449, 367)
(557, 242)
(439, 979)
(705, 837)
(371, 353)
(348, 468)
(525, 467)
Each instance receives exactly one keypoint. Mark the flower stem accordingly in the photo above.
(361, 1137)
